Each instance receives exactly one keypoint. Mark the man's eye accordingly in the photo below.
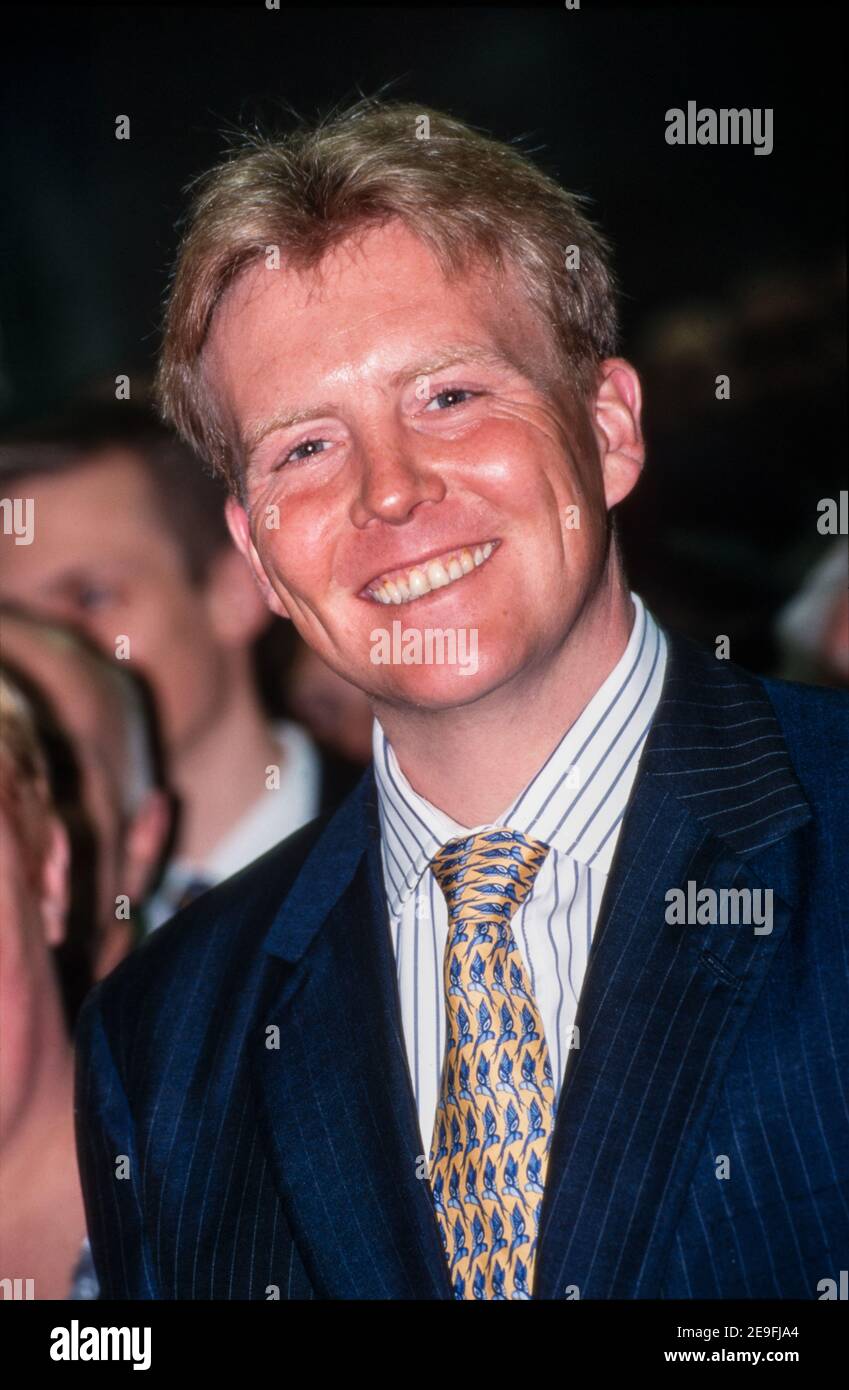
(309, 445)
(451, 395)
(94, 596)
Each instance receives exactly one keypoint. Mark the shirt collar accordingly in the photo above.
(574, 802)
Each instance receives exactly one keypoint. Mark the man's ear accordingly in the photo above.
(240, 530)
(618, 425)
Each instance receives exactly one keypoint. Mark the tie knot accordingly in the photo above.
(493, 870)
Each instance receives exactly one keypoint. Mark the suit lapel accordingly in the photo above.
(336, 1100)
(663, 1005)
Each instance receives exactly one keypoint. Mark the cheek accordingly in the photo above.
(297, 555)
(137, 621)
(520, 466)
(20, 972)
(19, 1015)
(105, 631)
(168, 626)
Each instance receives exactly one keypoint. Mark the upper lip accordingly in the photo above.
(424, 559)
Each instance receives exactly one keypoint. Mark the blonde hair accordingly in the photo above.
(466, 195)
(24, 785)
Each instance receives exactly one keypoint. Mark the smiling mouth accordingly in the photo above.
(406, 585)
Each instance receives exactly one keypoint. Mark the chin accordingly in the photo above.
(438, 687)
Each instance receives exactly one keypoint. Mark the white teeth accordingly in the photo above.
(435, 574)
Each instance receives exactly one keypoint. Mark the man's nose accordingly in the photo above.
(395, 476)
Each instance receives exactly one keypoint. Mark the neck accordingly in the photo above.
(42, 1216)
(446, 755)
(223, 772)
(40, 1151)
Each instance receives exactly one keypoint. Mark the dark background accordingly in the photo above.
(729, 262)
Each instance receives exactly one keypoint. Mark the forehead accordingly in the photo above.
(374, 301)
(103, 507)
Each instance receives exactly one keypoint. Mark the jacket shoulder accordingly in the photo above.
(815, 723)
(811, 714)
(793, 696)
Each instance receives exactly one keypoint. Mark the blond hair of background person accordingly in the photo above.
(42, 1221)
(99, 706)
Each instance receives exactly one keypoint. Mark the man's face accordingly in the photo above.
(430, 428)
(102, 559)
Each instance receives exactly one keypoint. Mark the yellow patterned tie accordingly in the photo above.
(495, 1113)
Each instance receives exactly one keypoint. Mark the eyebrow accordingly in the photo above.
(452, 356)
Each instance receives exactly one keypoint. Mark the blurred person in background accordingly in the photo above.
(99, 707)
(130, 544)
(813, 628)
(739, 386)
(42, 1219)
(336, 712)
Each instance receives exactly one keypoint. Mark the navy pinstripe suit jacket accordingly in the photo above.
(245, 1119)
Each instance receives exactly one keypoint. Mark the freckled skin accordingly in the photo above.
(397, 476)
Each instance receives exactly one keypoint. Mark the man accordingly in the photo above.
(813, 628)
(130, 544)
(458, 1041)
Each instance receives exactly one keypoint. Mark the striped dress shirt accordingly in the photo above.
(574, 803)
